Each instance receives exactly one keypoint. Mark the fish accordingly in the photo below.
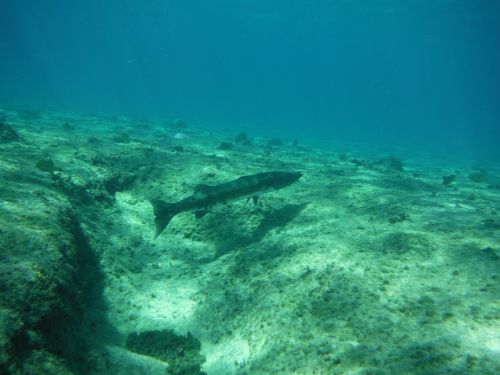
(206, 196)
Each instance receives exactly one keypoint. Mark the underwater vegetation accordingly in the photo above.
(182, 353)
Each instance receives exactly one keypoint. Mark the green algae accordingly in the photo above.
(182, 353)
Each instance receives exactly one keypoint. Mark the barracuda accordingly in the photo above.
(206, 196)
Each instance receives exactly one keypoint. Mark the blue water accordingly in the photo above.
(410, 74)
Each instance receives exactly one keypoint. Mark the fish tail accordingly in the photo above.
(164, 212)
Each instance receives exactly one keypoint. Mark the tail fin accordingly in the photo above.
(164, 212)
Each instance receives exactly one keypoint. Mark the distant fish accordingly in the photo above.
(206, 196)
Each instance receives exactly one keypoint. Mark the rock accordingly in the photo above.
(7, 133)
(180, 123)
(121, 361)
(122, 138)
(275, 142)
(93, 140)
(38, 262)
(68, 127)
(46, 165)
(48, 273)
(225, 146)
(182, 353)
(242, 138)
(390, 163)
(447, 180)
(479, 177)
(118, 182)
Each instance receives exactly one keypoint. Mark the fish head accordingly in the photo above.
(282, 179)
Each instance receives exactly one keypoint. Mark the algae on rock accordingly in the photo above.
(182, 353)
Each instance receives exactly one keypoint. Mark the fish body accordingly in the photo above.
(206, 196)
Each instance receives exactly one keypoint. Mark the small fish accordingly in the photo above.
(206, 196)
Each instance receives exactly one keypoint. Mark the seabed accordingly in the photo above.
(366, 265)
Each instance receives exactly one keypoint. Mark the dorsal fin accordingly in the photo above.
(201, 187)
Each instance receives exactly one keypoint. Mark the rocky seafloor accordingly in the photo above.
(367, 265)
